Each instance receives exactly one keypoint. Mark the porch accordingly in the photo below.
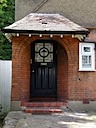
(44, 49)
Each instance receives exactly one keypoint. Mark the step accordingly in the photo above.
(44, 104)
(42, 110)
(42, 99)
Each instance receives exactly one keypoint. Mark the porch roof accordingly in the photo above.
(91, 36)
(37, 23)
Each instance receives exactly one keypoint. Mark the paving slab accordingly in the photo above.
(19, 119)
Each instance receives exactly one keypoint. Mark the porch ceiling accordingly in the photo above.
(45, 24)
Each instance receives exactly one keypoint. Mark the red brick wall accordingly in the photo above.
(20, 69)
(71, 83)
(62, 73)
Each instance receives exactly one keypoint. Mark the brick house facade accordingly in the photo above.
(71, 83)
(75, 75)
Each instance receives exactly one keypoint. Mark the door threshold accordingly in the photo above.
(42, 99)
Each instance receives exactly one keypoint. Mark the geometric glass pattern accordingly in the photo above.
(43, 52)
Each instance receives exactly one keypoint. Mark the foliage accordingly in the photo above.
(0, 107)
(6, 18)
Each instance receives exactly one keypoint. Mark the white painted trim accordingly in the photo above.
(92, 53)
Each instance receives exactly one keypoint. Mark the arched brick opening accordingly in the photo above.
(62, 73)
(21, 66)
(69, 85)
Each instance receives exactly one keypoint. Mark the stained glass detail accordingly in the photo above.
(49, 58)
(43, 52)
(38, 46)
(38, 58)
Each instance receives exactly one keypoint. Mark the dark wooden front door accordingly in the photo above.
(43, 69)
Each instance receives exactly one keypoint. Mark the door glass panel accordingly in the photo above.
(43, 52)
(38, 58)
(49, 58)
(49, 46)
(38, 46)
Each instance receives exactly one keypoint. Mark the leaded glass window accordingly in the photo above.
(43, 52)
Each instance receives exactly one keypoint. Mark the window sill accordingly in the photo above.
(87, 70)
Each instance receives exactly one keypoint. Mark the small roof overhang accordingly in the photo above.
(91, 36)
(35, 23)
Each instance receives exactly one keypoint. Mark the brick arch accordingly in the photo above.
(62, 73)
(65, 44)
(62, 70)
(21, 68)
(22, 43)
(70, 46)
(26, 41)
(21, 65)
(62, 84)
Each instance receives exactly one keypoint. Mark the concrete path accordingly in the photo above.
(65, 120)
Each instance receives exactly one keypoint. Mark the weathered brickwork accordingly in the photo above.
(71, 83)
(62, 73)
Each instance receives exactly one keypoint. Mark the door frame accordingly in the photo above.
(32, 54)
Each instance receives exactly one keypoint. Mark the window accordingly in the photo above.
(43, 52)
(86, 57)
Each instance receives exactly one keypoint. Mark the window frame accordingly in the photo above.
(82, 53)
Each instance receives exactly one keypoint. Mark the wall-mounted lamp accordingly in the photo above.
(18, 34)
(51, 36)
(62, 36)
(30, 35)
(40, 35)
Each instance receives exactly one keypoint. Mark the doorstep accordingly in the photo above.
(45, 107)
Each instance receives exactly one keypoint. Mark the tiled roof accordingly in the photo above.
(45, 23)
